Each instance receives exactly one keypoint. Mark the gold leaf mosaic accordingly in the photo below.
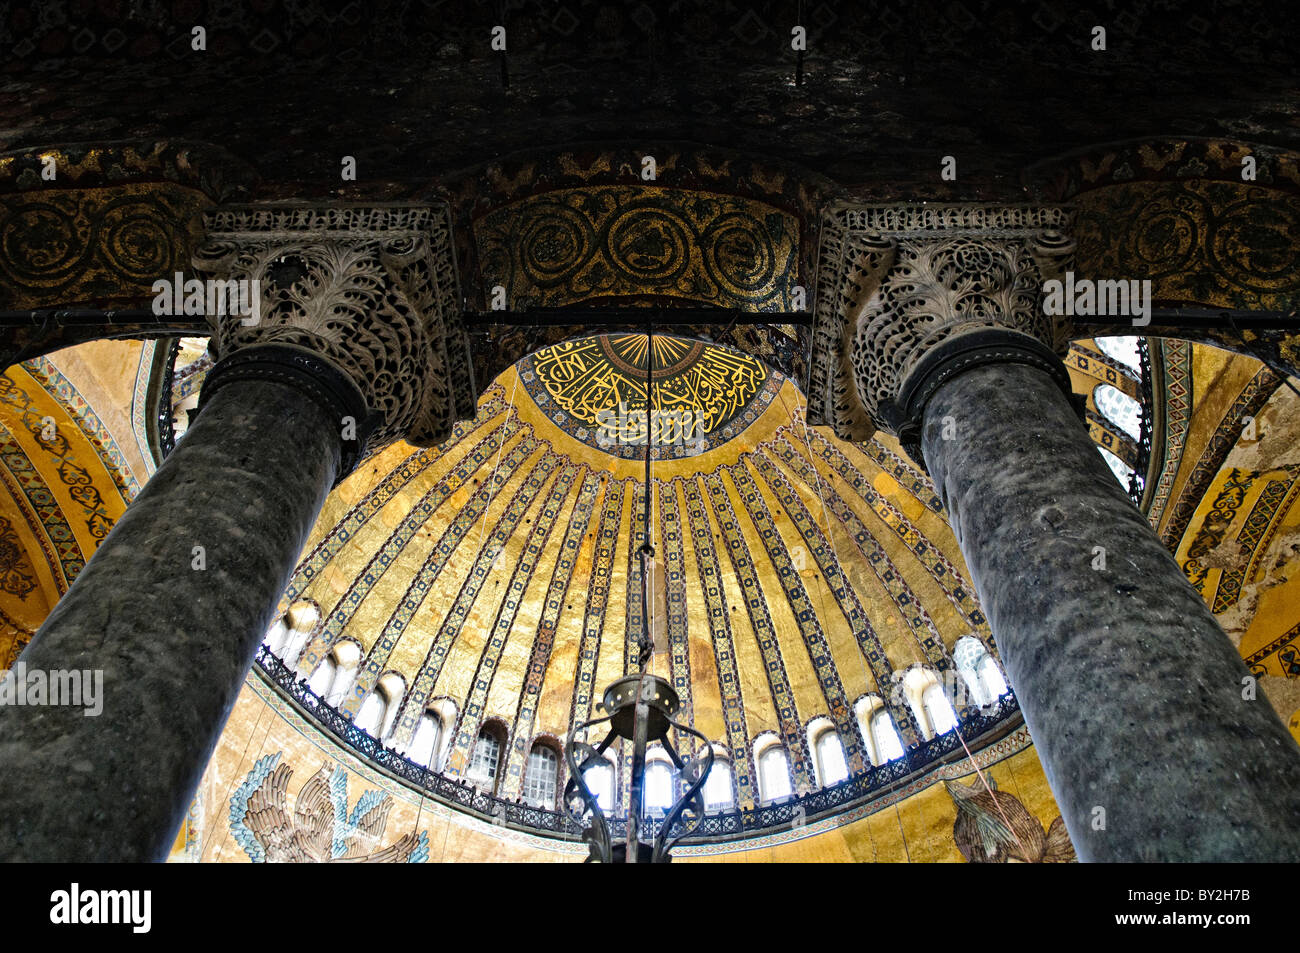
(585, 244)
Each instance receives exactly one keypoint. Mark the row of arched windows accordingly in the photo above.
(541, 782)
(981, 683)
(1120, 410)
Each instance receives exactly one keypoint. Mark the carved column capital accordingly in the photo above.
(357, 305)
(908, 295)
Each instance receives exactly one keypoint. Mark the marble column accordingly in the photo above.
(1153, 738)
(1156, 745)
(166, 615)
(347, 351)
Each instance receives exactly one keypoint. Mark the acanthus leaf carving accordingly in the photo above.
(371, 290)
(895, 282)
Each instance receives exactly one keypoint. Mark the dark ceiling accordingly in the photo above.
(414, 92)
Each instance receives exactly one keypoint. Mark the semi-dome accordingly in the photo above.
(800, 583)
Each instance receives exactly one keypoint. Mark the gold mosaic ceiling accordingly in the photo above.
(794, 573)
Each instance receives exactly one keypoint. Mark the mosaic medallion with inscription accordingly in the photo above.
(594, 389)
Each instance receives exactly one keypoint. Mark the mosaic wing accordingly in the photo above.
(314, 819)
(267, 818)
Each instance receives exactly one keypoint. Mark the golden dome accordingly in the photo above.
(796, 577)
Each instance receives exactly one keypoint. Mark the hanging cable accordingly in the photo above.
(942, 651)
(207, 838)
(645, 647)
(979, 772)
(646, 651)
(867, 672)
(798, 62)
(496, 467)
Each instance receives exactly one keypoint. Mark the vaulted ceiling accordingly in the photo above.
(415, 91)
(794, 574)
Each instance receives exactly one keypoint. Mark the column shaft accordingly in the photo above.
(1132, 691)
(174, 642)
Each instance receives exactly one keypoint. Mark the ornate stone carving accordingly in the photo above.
(371, 290)
(897, 283)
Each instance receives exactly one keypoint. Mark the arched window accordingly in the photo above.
(276, 637)
(829, 751)
(334, 676)
(1123, 348)
(869, 708)
(1123, 472)
(372, 713)
(719, 789)
(773, 774)
(938, 710)
(1119, 408)
(485, 763)
(300, 621)
(885, 736)
(925, 694)
(424, 746)
(541, 777)
(379, 710)
(995, 686)
(979, 671)
(323, 677)
(600, 780)
(393, 688)
(657, 795)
